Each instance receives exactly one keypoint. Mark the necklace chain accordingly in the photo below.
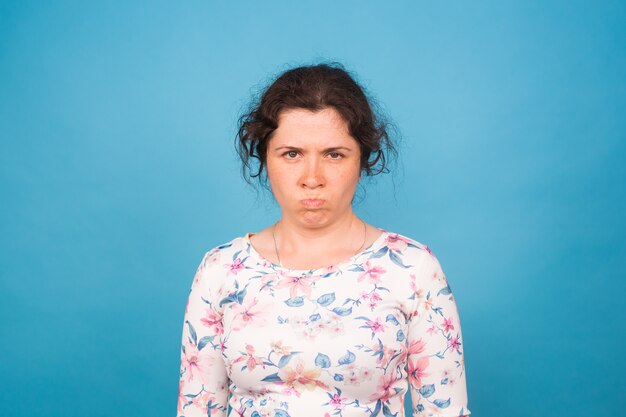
(276, 246)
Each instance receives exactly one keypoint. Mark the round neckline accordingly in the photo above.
(374, 245)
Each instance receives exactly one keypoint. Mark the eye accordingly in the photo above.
(335, 155)
(291, 154)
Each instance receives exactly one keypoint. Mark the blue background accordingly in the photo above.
(118, 172)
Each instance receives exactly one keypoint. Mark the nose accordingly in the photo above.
(312, 175)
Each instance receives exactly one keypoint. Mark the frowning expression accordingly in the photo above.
(313, 165)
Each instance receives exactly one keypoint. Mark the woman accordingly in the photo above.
(319, 314)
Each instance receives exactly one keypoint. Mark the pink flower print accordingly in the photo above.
(302, 326)
(447, 325)
(384, 390)
(416, 346)
(383, 354)
(336, 328)
(324, 324)
(300, 378)
(427, 304)
(372, 272)
(435, 276)
(396, 243)
(196, 363)
(267, 281)
(374, 300)
(298, 323)
(314, 328)
(375, 326)
(239, 359)
(365, 374)
(417, 371)
(202, 401)
(213, 258)
(198, 274)
(378, 351)
(420, 295)
(454, 343)
(250, 312)
(236, 266)
(222, 385)
(402, 307)
(302, 284)
(213, 319)
(432, 329)
(352, 379)
(389, 352)
(252, 360)
(338, 401)
(446, 376)
(290, 390)
(349, 367)
(279, 349)
(228, 364)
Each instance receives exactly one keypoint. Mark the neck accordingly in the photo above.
(294, 237)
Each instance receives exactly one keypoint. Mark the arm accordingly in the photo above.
(203, 385)
(435, 362)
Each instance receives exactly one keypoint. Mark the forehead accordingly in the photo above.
(305, 125)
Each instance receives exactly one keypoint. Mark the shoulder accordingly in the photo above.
(425, 269)
(402, 241)
(218, 261)
(222, 254)
(411, 250)
(415, 271)
(415, 258)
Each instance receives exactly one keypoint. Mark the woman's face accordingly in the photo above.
(313, 166)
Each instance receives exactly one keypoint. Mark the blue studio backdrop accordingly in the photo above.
(118, 172)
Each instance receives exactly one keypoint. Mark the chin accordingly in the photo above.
(314, 218)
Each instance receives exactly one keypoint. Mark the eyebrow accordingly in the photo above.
(331, 149)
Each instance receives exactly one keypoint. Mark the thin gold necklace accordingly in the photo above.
(276, 246)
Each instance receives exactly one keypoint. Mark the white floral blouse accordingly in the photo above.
(348, 340)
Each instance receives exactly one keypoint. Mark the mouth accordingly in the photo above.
(312, 202)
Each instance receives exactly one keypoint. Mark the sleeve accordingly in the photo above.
(435, 360)
(203, 384)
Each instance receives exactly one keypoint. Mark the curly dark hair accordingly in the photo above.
(314, 87)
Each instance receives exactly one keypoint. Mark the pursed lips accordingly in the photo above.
(312, 202)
